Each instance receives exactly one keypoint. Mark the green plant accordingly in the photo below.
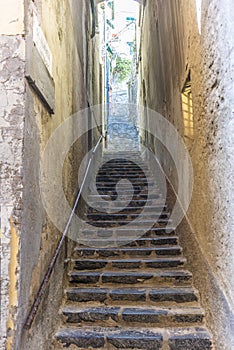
(122, 69)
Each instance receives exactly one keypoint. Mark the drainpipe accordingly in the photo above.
(93, 19)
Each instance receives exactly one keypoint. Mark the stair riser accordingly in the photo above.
(113, 180)
(132, 280)
(128, 252)
(128, 210)
(194, 341)
(127, 317)
(137, 242)
(132, 296)
(138, 192)
(108, 216)
(143, 224)
(104, 173)
(134, 182)
(121, 265)
(124, 235)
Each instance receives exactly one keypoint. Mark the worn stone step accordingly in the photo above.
(94, 264)
(128, 195)
(154, 241)
(124, 197)
(123, 173)
(151, 199)
(190, 338)
(125, 232)
(136, 190)
(123, 160)
(136, 242)
(134, 175)
(134, 203)
(112, 237)
(144, 188)
(136, 182)
(124, 216)
(131, 209)
(144, 295)
(161, 317)
(126, 166)
(128, 251)
(161, 277)
(152, 232)
(145, 223)
(106, 179)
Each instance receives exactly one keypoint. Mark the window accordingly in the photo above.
(187, 109)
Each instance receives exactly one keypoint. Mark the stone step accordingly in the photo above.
(94, 264)
(124, 166)
(143, 172)
(190, 338)
(129, 194)
(147, 208)
(153, 241)
(125, 231)
(123, 236)
(119, 316)
(135, 182)
(143, 224)
(134, 175)
(136, 190)
(106, 179)
(150, 199)
(133, 205)
(124, 216)
(136, 242)
(144, 295)
(133, 241)
(128, 251)
(123, 161)
(111, 242)
(161, 277)
(100, 203)
(124, 171)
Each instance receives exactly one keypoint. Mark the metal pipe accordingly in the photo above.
(46, 279)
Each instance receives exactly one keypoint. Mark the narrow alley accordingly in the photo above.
(117, 163)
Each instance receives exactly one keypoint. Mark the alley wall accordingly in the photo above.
(174, 47)
(47, 70)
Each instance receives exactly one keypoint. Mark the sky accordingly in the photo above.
(124, 8)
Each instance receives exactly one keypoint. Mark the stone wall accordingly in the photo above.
(12, 62)
(171, 47)
(31, 109)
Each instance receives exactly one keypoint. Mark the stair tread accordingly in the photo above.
(144, 295)
(170, 258)
(196, 338)
(150, 314)
(131, 249)
(120, 292)
(151, 309)
(167, 272)
(166, 290)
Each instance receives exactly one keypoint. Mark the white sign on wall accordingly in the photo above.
(41, 44)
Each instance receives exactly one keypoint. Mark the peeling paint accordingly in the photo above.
(13, 277)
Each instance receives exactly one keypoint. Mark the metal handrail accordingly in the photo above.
(46, 279)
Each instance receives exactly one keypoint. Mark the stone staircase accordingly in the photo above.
(128, 291)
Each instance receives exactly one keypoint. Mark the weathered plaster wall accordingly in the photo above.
(63, 23)
(12, 61)
(171, 46)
